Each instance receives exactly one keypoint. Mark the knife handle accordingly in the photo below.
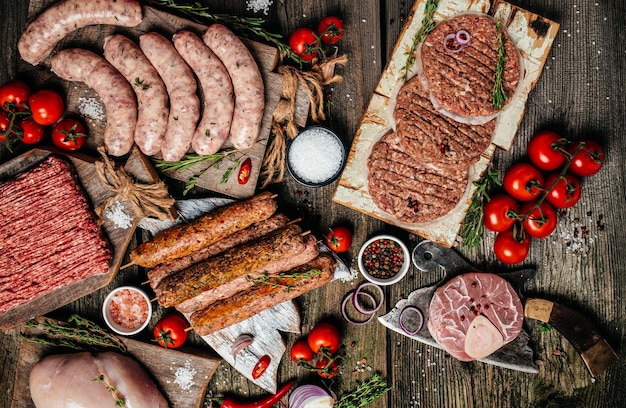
(577, 329)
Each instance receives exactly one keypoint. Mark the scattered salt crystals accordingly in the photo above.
(115, 213)
(315, 155)
(185, 376)
(258, 5)
(91, 108)
(578, 234)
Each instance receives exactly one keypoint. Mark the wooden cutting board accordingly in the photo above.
(92, 38)
(533, 36)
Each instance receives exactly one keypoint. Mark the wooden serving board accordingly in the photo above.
(92, 38)
(97, 192)
(162, 365)
(533, 36)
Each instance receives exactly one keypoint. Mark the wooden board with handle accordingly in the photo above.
(533, 36)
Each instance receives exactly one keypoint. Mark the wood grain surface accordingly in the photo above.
(580, 94)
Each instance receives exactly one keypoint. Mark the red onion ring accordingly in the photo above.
(451, 39)
(411, 308)
(462, 37)
(344, 312)
(357, 292)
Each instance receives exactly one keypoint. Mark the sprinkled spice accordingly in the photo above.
(129, 309)
(315, 155)
(115, 213)
(383, 258)
(185, 376)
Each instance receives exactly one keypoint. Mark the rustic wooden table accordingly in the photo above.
(580, 94)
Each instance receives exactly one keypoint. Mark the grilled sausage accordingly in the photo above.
(254, 231)
(149, 89)
(181, 87)
(75, 64)
(185, 239)
(246, 274)
(41, 36)
(248, 303)
(219, 103)
(247, 84)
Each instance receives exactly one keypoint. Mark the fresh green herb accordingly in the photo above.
(119, 402)
(364, 394)
(428, 24)
(139, 83)
(472, 228)
(499, 95)
(546, 327)
(274, 280)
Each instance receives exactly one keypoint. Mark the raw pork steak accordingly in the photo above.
(484, 304)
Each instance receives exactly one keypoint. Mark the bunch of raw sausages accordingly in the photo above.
(232, 263)
(150, 91)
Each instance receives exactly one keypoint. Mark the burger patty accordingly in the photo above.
(431, 137)
(462, 82)
(408, 189)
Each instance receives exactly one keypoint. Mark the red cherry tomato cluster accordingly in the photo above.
(534, 191)
(319, 351)
(307, 43)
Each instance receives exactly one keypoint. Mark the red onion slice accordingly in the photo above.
(358, 291)
(462, 37)
(450, 44)
(344, 312)
(420, 322)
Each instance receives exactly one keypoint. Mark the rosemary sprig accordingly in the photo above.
(119, 402)
(275, 280)
(499, 95)
(472, 228)
(364, 394)
(428, 24)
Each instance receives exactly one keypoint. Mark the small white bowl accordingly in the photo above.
(376, 279)
(141, 305)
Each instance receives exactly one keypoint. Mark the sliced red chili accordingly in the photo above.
(261, 366)
(244, 171)
(264, 402)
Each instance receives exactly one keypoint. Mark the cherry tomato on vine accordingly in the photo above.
(324, 337)
(300, 351)
(69, 134)
(523, 181)
(539, 220)
(261, 366)
(32, 132)
(511, 247)
(330, 29)
(339, 239)
(46, 106)
(14, 92)
(546, 150)
(327, 368)
(500, 213)
(304, 43)
(565, 191)
(171, 331)
(244, 171)
(588, 158)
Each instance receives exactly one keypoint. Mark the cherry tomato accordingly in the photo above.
(300, 351)
(511, 247)
(539, 221)
(33, 132)
(324, 337)
(339, 239)
(588, 158)
(546, 150)
(304, 43)
(330, 30)
(565, 191)
(500, 213)
(523, 181)
(69, 134)
(46, 106)
(14, 92)
(171, 331)
(327, 368)
(261, 366)
(244, 171)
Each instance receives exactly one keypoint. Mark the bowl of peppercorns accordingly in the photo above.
(384, 260)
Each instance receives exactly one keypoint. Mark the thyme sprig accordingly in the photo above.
(499, 95)
(364, 394)
(119, 402)
(428, 23)
(278, 280)
(472, 228)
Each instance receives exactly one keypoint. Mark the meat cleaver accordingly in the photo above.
(516, 355)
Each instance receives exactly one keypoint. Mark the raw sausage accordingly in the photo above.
(76, 64)
(181, 87)
(150, 90)
(219, 103)
(41, 36)
(185, 239)
(248, 303)
(247, 84)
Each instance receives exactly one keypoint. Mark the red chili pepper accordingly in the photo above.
(244, 171)
(265, 402)
(261, 366)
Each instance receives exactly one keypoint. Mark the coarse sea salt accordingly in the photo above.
(259, 5)
(315, 155)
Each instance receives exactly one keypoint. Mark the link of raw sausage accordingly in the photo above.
(219, 102)
(150, 90)
(53, 24)
(247, 84)
(76, 64)
(181, 87)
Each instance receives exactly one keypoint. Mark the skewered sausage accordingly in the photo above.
(247, 84)
(75, 64)
(181, 87)
(150, 90)
(184, 239)
(41, 36)
(219, 103)
(245, 304)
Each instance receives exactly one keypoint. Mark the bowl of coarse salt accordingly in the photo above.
(127, 310)
(316, 156)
